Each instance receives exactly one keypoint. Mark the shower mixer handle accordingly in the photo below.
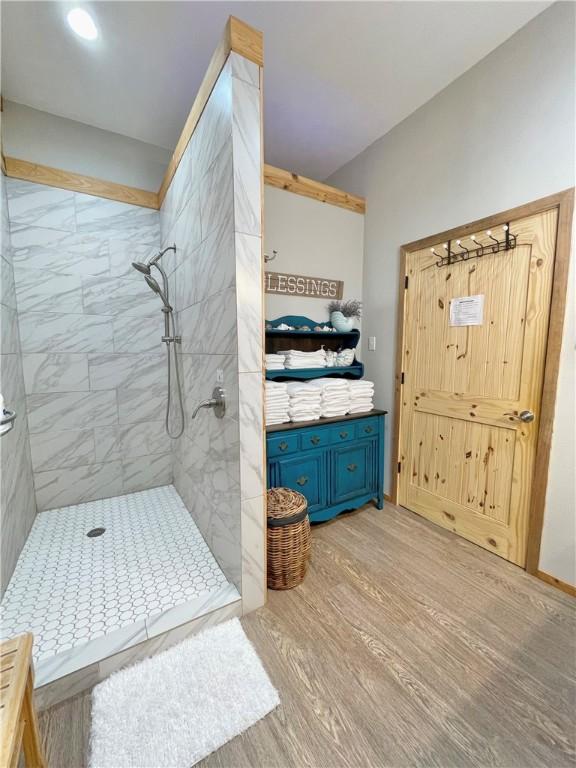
(217, 402)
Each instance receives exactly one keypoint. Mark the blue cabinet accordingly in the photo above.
(306, 473)
(338, 464)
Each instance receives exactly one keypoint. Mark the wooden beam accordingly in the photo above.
(238, 37)
(54, 177)
(245, 40)
(558, 583)
(300, 185)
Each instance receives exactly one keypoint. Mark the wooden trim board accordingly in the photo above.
(551, 371)
(564, 201)
(238, 37)
(300, 185)
(54, 177)
(398, 377)
(558, 583)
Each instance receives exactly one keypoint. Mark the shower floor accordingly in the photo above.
(88, 597)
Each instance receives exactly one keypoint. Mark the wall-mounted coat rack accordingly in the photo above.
(477, 250)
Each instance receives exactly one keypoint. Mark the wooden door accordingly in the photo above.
(466, 458)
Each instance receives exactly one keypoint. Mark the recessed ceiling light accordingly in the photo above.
(82, 23)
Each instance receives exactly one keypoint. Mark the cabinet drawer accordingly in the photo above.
(367, 428)
(343, 433)
(314, 438)
(307, 475)
(351, 470)
(282, 444)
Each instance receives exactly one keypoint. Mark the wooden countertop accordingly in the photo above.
(320, 422)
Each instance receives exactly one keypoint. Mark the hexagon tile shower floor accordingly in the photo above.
(72, 589)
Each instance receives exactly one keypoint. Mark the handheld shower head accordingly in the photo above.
(144, 268)
(156, 288)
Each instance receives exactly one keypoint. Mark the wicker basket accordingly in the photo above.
(288, 538)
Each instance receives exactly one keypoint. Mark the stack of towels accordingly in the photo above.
(277, 403)
(335, 396)
(295, 358)
(361, 396)
(305, 401)
(275, 362)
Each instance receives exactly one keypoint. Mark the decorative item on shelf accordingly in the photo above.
(344, 313)
(288, 538)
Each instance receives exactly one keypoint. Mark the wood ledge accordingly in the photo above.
(300, 185)
(54, 177)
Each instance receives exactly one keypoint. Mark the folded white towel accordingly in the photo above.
(302, 353)
(328, 414)
(361, 408)
(276, 385)
(326, 382)
(270, 422)
(307, 417)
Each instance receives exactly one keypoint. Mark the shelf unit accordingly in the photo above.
(282, 340)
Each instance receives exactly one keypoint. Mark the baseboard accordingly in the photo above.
(558, 583)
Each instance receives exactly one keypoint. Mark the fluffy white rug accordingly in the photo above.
(173, 709)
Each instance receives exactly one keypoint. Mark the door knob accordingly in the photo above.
(525, 416)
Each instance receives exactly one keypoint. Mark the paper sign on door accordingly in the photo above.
(467, 310)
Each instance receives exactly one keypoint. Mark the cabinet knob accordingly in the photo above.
(368, 430)
(352, 467)
(302, 480)
(343, 435)
(315, 440)
(283, 446)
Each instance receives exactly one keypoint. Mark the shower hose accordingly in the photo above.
(180, 430)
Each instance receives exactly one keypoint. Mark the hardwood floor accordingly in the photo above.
(405, 646)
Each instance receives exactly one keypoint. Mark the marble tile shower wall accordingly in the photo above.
(17, 503)
(94, 366)
(198, 215)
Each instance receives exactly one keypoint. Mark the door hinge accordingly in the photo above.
(406, 283)
(402, 378)
(399, 467)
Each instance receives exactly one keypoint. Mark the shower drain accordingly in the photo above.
(95, 532)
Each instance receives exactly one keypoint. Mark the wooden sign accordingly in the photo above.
(303, 285)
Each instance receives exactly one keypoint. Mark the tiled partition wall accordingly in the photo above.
(212, 213)
(17, 504)
(90, 328)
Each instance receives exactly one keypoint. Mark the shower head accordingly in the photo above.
(156, 288)
(153, 262)
(144, 268)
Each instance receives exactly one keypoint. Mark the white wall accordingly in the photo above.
(39, 137)
(312, 238)
(499, 136)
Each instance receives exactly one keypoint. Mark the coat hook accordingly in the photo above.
(494, 247)
(268, 258)
(464, 249)
(439, 262)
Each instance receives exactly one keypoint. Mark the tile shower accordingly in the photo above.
(183, 518)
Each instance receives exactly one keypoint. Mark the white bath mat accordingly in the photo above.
(173, 709)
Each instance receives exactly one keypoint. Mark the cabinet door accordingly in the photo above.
(306, 474)
(352, 470)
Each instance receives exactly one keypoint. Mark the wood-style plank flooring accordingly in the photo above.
(405, 646)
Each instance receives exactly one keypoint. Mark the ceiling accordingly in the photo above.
(338, 75)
